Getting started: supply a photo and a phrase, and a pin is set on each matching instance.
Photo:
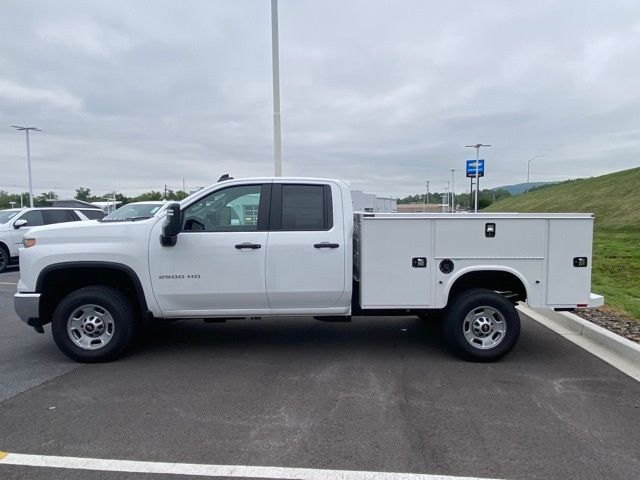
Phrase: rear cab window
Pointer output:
(93, 214)
(300, 207)
(58, 216)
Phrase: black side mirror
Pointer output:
(172, 226)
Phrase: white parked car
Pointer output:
(293, 246)
(16, 222)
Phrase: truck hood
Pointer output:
(90, 231)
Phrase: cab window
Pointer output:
(57, 216)
(33, 218)
(233, 209)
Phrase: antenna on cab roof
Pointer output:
(224, 177)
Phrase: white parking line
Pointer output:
(7, 283)
(129, 466)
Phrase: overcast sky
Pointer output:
(132, 95)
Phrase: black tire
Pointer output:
(123, 322)
(478, 304)
(4, 258)
(431, 316)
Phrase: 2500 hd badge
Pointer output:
(178, 277)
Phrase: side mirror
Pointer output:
(172, 226)
(19, 223)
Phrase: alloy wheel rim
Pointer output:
(484, 327)
(90, 327)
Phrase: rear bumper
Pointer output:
(596, 300)
(27, 306)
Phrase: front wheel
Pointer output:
(482, 325)
(4, 258)
(93, 324)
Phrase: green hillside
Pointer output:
(615, 201)
(614, 198)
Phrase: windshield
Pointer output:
(133, 211)
(6, 215)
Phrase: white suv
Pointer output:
(15, 222)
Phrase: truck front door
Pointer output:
(217, 266)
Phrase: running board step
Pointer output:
(335, 319)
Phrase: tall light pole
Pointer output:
(26, 130)
(477, 146)
(453, 193)
(275, 59)
(446, 196)
(529, 167)
(428, 202)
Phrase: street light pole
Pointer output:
(428, 206)
(529, 167)
(477, 146)
(275, 59)
(453, 193)
(26, 130)
(446, 195)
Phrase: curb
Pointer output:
(614, 349)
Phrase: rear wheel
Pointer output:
(93, 324)
(4, 258)
(431, 315)
(482, 325)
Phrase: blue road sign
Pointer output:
(471, 168)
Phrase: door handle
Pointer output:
(326, 245)
(252, 246)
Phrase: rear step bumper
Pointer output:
(596, 300)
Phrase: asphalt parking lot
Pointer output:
(378, 394)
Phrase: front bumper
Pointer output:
(27, 306)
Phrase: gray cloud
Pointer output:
(133, 95)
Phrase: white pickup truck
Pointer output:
(294, 247)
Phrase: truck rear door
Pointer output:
(306, 248)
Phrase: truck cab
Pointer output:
(256, 247)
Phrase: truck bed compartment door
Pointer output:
(570, 259)
(396, 264)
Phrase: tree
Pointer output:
(147, 196)
(44, 199)
(83, 194)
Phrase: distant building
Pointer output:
(370, 202)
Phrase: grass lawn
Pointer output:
(615, 200)
(616, 269)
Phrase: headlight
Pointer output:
(28, 242)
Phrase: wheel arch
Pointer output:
(494, 277)
(58, 280)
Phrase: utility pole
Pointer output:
(477, 146)
(529, 167)
(26, 130)
(428, 195)
(165, 191)
(184, 188)
(446, 196)
(453, 194)
(275, 59)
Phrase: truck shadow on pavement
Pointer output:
(285, 335)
